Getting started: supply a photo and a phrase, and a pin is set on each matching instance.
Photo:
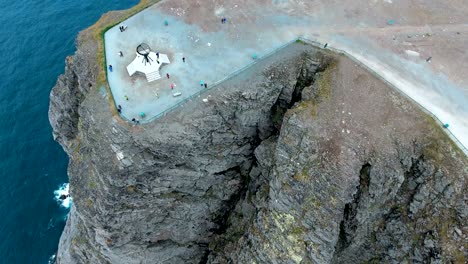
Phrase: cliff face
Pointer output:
(356, 175)
(305, 158)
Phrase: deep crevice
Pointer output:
(225, 231)
(349, 223)
(206, 253)
(221, 219)
(306, 77)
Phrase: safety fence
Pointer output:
(318, 45)
(215, 84)
(425, 110)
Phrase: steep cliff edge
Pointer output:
(356, 175)
(179, 177)
(304, 158)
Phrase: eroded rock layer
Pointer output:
(303, 158)
(356, 175)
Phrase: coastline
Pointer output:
(86, 129)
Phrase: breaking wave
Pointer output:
(62, 196)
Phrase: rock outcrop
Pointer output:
(303, 158)
(356, 175)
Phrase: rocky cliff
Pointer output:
(303, 158)
(356, 175)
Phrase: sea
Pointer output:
(35, 38)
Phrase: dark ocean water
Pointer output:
(35, 38)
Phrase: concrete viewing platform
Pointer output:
(418, 53)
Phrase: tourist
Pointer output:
(119, 109)
(326, 44)
(110, 68)
(120, 54)
(201, 83)
(172, 86)
(126, 97)
(167, 75)
(157, 61)
(206, 85)
(183, 59)
(166, 23)
(121, 28)
(157, 55)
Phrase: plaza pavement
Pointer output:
(213, 50)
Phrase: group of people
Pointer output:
(168, 75)
(202, 83)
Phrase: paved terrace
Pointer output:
(396, 50)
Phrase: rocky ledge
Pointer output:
(303, 158)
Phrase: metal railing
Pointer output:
(318, 45)
(425, 110)
(215, 84)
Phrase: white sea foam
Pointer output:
(63, 190)
(52, 259)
